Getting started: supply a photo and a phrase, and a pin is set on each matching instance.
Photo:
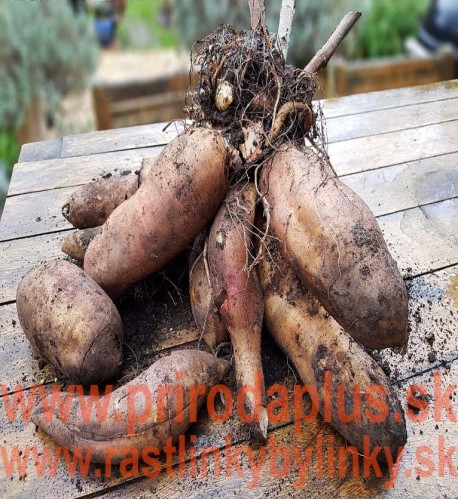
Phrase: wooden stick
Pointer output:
(257, 10)
(284, 26)
(321, 58)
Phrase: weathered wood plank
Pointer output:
(391, 120)
(118, 139)
(423, 239)
(262, 484)
(341, 128)
(387, 99)
(34, 213)
(369, 153)
(53, 174)
(43, 150)
(433, 326)
(385, 190)
(409, 482)
(20, 365)
(399, 187)
(431, 439)
(18, 257)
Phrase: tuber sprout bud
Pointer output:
(224, 96)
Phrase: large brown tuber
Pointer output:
(362, 405)
(333, 242)
(174, 204)
(71, 322)
(142, 414)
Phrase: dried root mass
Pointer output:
(243, 79)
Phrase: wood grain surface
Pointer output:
(398, 150)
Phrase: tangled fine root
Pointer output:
(244, 86)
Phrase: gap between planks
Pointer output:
(112, 138)
(433, 224)
(348, 157)
(386, 191)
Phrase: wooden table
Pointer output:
(399, 150)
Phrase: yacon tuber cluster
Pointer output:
(277, 241)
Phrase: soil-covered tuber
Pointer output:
(238, 296)
(71, 322)
(333, 242)
(165, 215)
(357, 398)
(159, 404)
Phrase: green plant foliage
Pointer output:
(46, 51)
(9, 149)
(314, 21)
(382, 30)
(9, 153)
(141, 28)
(385, 27)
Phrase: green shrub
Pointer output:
(9, 153)
(385, 26)
(9, 150)
(382, 30)
(144, 16)
(46, 51)
(314, 21)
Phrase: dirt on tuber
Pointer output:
(144, 413)
(165, 215)
(71, 322)
(238, 296)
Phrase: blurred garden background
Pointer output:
(72, 66)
